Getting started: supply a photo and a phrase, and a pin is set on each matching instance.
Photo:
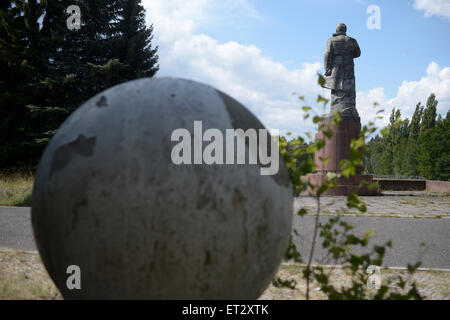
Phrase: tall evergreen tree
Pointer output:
(112, 46)
(82, 61)
(22, 67)
(134, 46)
(47, 72)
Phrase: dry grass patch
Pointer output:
(23, 276)
(15, 189)
(432, 284)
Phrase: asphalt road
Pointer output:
(406, 234)
(15, 228)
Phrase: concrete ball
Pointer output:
(109, 199)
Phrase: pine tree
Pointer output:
(22, 67)
(46, 73)
(134, 46)
(112, 46)
(77, 56)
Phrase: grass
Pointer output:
(23, 276)
(16, 189)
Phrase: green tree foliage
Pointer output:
(48, 70)
(429, 114)
(134, 43)
(410, 159)
(434, 150)
(336, 235)
(21, 68)
(419, 147)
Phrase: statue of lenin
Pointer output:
(340, 74)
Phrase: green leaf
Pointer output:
(321, 81)
(322, 99)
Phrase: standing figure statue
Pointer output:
(340, 78)
(340, 74)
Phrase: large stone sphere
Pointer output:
(109, 199)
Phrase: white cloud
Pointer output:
(433, 7)
(437, 81)
(366, 109)
(263, 85)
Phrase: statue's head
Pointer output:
(341, 28)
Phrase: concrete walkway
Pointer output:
(412, 204)
(405, 233)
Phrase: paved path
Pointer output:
(15, 228)
(414, 204)
(405, 233)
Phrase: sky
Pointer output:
(261, 52)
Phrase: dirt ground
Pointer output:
(23, 276)
(432, 284)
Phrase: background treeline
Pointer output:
(412, 148)
(47, 70)
(416, 147)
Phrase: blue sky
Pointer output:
(295, 31)
(260, 51)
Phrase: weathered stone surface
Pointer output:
(108, 198)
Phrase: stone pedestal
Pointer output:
(336, 149)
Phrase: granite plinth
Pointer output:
(337, 149)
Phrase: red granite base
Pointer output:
(338, 147)
(358, 184)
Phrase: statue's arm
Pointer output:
(327, 58)
(357, 50)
